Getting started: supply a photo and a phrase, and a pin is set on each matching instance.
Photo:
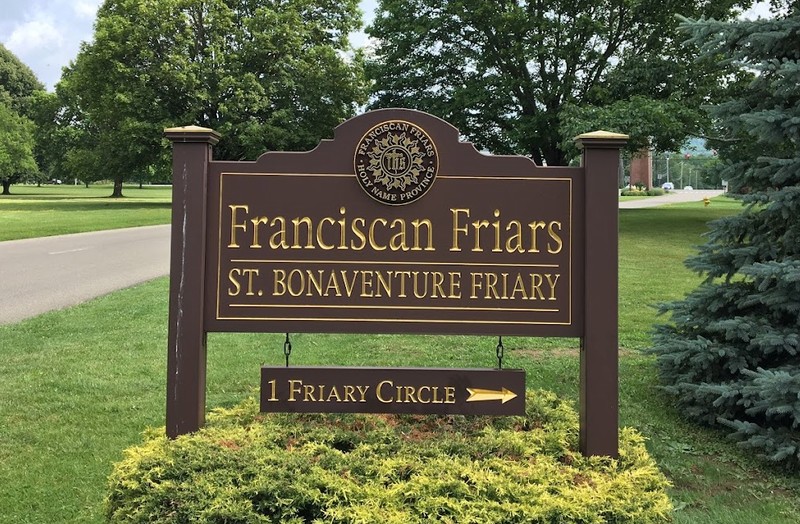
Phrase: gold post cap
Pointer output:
(602, 135)
(189, 129)
(194, 134)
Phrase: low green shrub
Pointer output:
(656, 191)
(247, 467)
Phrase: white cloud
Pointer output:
(86, 8)
(757, 10)
(34, 35)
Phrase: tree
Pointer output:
(731, 356)
(525, 76)
(264, 73)
(16, 147)
(18, 86)
(17, 81)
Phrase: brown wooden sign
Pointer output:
(394, 226)
(392, 390)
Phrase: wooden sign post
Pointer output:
(394, 226)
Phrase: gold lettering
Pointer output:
(333, 284)
(536, 286)
(348, 286)
(294, 387)
(496, 226)
(386, 283)
(321, 242)
(438, 280)
(398, 240)
(417, 293)
(379, 391)
(403, 276)
(420, 392)
(535, 226)
(409, 395)
(232, 278)
(519, 287)
(555, 237)
(358, 233)
(372, 242)
(279, 279)
(477, 226)
(366, 284)
(417, 225)
(457, 228)
(278, 239)
(308, 393)
(234, 225)
(250, 274)
(552, 283)
(491, 286)
(362, 390)
(314, 282)
(256, 222)
(514, 242)
(455, 284)
(477, 284)
(294, 290)
(306, 221)
(349, 394)
(342, 222)
(333, 393)
(449, 395)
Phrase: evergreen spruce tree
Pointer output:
(731, 355)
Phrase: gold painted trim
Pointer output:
(569, 298)
(378, 263)
(398, 320)
(406, 308)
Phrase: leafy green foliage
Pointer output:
(732, 355)
(264, 74)
(293, 468)
(18, 86)
(16, 147)
(17, 82)
(525, 77)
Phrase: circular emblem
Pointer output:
(396, 162)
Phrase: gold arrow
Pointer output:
(479, 395)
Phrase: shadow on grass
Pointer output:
(94, 205)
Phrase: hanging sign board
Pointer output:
(392, 390)
(415, 232)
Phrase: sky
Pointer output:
(46, 34)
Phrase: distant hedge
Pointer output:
(641, 192)
(246, 467)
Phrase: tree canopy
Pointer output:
(266, 74)
(16, 147)
(17, 82)
(730, 357)
(525, 76)
(18, 87)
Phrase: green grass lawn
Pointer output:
(79, 385)
(32, 211)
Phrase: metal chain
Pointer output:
(500, 352)
(287, 349)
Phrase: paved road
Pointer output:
(673, 197)
(48, 273)
(41, 274)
